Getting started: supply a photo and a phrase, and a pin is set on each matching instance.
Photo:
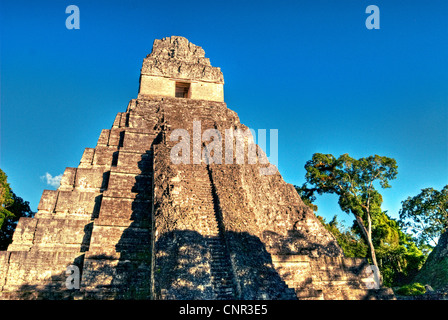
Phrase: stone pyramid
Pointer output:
(144, 216)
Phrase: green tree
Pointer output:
(12, 208)
(426, 214)
(307, 197)
(350, 242)
(6, 199)
(353, 181)
(398, 254)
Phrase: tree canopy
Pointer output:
(353, 180)
(6, 199)
(398, 254)
(426, 214)
(399, 257)
(12, 208)
(348, 239)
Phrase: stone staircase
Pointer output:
(222, 276)
(223, 280)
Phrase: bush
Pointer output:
(411, 289)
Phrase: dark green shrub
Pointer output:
(411, 289)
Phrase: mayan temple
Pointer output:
(144, 216)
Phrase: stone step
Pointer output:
(221, 269)
(220, 273)
(219, 283)
(360, 294)
(216, 248)
(219, 257)
(309, 294)
(222, 266)
(224, 290)
(210, 232)
(227, 289)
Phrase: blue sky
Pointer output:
(310, 69)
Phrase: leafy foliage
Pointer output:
(399, 257)
(398, 254)
(373, 231)
(350, 242)
(353, 181)
(307, 197)
(411, 289)
(426, 214)
(12, 208)
(6, 199)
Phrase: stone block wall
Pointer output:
(175, 59)
(329, 278)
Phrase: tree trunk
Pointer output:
(369, 240)
(368, 237)
(372, 251)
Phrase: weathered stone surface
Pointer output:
(176, 64)
(140, 225)
(48, 201)
(37, 274)
(176, 57)
(87, 158)
(50, 235)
